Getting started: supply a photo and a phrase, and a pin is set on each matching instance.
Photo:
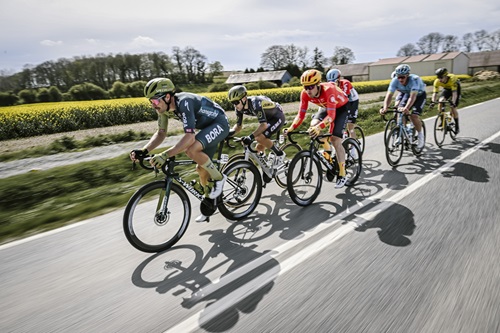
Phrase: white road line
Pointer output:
(236, 296)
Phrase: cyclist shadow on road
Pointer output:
(493, 147)
(469, 172)
(277, 214)
(395, 224)
(188, 269)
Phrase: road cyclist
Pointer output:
(335, 75)
(451, 91)
(205, 126)
(412, 101)
(332, 114)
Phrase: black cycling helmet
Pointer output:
(236, 93)
(440, 72)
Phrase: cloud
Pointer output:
(142, 41)
(48, 42)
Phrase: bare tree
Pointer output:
(274, 57)
(450, 43)
(468, 42)
(407, 50)
(493, 40)
(430, 43)
(480, 39)
(342, 56)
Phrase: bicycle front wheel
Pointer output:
(290, 150)
(392, 123)
(394, 146)
(360, 137)
(353, 161)
(155, 220)
(242, 190)
(304, 178)
(440, 129)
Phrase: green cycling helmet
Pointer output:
(236, 93)
(158, 87)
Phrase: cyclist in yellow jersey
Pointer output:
(451, 91)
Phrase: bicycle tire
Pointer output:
(440, 128)
(145, 227)
(353, 162)
(451, 129)
(394, 149)
(414, 148)
(308, 170)
(388, 128)
(290, 149)
(242, 190)
(360, 137)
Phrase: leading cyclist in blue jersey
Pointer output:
(413, 97)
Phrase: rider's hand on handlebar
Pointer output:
(432, 105)
(247, 140)
(231, 134)
(314, 131)
(159, 159)
(382, 110)
(138, 154)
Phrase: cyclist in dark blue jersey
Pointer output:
(205, 126)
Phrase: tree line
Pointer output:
(436, 42)
(120, 75)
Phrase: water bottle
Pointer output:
(224, 158)
(281, 139)
(409, 127)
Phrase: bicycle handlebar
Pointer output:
(291, 134)
(240, 139)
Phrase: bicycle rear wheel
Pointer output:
(151, 227)
(394, 146)
(353, 161)
(290, 149)
(304, 178)
(242, 190)
(418, 151)
(440, 129)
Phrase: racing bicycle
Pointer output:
(158, 214)
(269, 166)
(305, 174)
(444, 124)
(402, 137)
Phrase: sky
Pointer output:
(233, 32)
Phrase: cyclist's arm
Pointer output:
(299, 118)
(184, 143)
(387, 100)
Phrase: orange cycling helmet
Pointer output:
(310, 77)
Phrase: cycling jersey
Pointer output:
(348, 89)
(413, 84)
(199, 112)
(452, 83)
(330, 97)
(261, 107)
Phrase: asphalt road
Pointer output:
(409, 249)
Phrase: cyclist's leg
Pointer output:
(336, 128)
(316, 119)
(205, 146)
(352, 118)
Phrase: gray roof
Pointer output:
(255, 77)
(483, 59)
(353, 69)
